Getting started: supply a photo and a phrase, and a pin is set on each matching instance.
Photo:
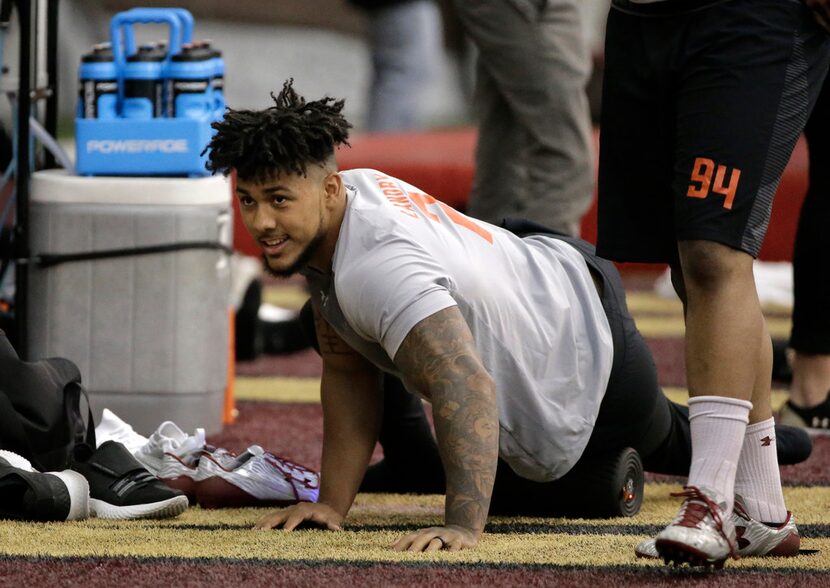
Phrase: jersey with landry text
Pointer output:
(530, 304)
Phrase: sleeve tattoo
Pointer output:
(438, 358)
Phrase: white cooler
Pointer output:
(146, 319)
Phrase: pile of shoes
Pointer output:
(214, 477)
(107, 482)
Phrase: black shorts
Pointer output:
(702, 105)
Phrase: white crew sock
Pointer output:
(718, 425)
(758, 479)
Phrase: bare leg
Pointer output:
(728, 350)
(811, 379)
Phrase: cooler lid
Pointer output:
(56, 185)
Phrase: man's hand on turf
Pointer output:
(290, 518)
(821, 10)
(451, 538)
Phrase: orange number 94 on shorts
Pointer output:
(701, 181)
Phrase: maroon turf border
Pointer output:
(95, 571)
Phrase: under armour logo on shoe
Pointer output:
(739, 537)
(766, 441)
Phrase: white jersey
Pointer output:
(530, 303)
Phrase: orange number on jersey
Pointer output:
(727, 191)
(701, 173)
(422, 200)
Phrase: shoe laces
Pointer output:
(192, 446)
(293, 471)
(739, 511)
(171, 440)
(694, 511)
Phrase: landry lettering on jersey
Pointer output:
(405, 202)
(395, 195)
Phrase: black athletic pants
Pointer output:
(811, 259)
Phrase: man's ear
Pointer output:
(333, 186)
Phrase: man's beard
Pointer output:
(301, 261)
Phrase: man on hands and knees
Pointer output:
(702, 104)
(519, 338)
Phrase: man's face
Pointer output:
(287, 215)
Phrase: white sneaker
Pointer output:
(173, 456)
(755, 539)
(700, 534)
(254, 478)
(112, 428)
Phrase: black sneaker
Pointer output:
(28, 495)
(793, 444)
(815, 420)
(121, 488)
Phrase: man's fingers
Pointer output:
(432, 539)
(421, 542)
(270, 521)
(426, 542)
(326, 521)
(435, 544)
(413, 542)
(295, 519)
(288, 519)
(403, 543)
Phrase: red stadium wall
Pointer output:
(441, 164)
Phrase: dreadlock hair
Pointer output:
(283, 138)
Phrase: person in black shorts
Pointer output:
(703, 101)
(809, 402)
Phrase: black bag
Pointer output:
(40, 409)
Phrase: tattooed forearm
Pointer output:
(438, 358)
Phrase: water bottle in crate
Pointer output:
(97, 84)
(162, 121)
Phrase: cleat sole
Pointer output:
(675, 553)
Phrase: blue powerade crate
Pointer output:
(152, 147)
(164, 105)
